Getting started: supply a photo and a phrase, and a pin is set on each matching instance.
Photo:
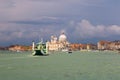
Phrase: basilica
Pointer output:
(58, 44)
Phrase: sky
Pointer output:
(83, 21)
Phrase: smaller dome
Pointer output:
(53, 39)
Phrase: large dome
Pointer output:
(62, 37)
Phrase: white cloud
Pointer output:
(114, 29)
(13, 31)
(85, 29)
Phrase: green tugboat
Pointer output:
(39, 49)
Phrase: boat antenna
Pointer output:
(41, 40)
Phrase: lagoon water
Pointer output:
(92, 65)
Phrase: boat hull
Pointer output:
(39, 53)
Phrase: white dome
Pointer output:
(62, 38)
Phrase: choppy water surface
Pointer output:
(93, 65)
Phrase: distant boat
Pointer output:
(67, 50)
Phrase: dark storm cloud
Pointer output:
(25, 20)
(42, 22)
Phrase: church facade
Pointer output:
(56, 44)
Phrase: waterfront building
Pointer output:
(56, 44)
(109, 45)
